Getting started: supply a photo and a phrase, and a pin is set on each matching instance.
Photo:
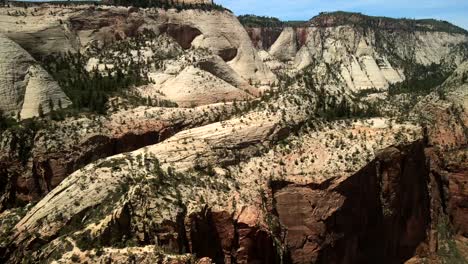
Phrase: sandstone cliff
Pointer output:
(25, 87)
(366, 53)
(218, 31)
(303, 166)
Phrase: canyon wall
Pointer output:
(365, 53)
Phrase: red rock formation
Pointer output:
(263, 38)
(222, 238)
(301, 36)
(458, 201)
(378, 215)
(45, 170)
(451, 174)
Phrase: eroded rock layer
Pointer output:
(26, 89)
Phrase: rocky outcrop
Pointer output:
(263, 38)
(378, 214)
(215, 66)
(184, 35)
(299, 175)
(239, 233)
(225, 239)
(456, 167)
(218, 31)
(25, 88)
(285, 47)
(364, 53)
(51, 161)
(193, 86)
(444, 112)
(103, 205)
(41, 36)
(444, 115)
(370, 59)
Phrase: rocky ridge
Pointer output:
(366, 53)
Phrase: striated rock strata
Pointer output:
(25, 87)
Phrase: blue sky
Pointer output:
(454, 11)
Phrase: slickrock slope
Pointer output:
(285, 47)
(24, 86)
(58, 149)
(128, 178)
(197, 78)
(195, 86)
(215, 30)
(38, 30)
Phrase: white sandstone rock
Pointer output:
(285, 47)
(24, 85)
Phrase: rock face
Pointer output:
(25, 87)
(53, 161)
(366, 53)
(218, 31)
(41, 32)
(184, 35)
(285, 47)
(240, 236)
(457, 174)
(382, 210)
(263, 38)
(363, 59)
(193, 86)
(445, 112)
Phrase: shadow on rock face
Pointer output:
(380, 214)
(228, 54)
(183, 34)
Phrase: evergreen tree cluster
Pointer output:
(164, 4)
(6, 121)
(420, 79)
(21, 136)
(330, 108)
(167, 4)
(264, 21)
(158, 102)
(259, 21)
(340, 18)
(89, 91)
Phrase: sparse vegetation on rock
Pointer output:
(338, 141)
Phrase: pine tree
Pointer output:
(2, 120)
(51, 104)
(40, 111)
